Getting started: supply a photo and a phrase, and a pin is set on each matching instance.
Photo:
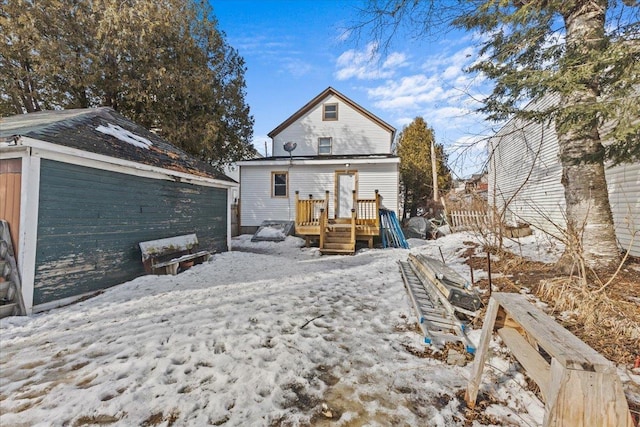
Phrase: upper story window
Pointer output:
(279, 184)
(324, 145)
(330, 112)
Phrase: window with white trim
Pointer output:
(279, 184)
(324, 145)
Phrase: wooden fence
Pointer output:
(468, 220)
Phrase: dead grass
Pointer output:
(599, 319)
(609, 321)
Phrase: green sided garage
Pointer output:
(88, 186)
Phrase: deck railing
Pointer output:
(323, 225)
(368, 211)
(308, 212)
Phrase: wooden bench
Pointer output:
(167, 256)
(580, 387)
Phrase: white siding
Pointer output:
(525, 174)
(624, 195)
(257, 205)
(352, 133)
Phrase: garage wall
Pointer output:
(90, 222)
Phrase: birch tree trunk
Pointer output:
(589, 219)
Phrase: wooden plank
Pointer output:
(168, 245)
(187, 257)
(10, 192)
(584, 399)
(534, 364)
(570, 351)
(481, 353)
(583, 395)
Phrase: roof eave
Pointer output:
(315, 101)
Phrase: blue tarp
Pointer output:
(390, 231)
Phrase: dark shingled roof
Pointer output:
(78, 129)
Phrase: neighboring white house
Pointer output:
(525, 176)
(339, 147)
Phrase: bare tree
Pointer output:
(587, 52)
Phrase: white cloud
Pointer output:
(262, 143)
(366, 64)
(296, 67)
(395, 59)
(343, 35)
(467, 154)
(437, 88)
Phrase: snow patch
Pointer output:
(271, 233)
(267, 334)
(125, 135)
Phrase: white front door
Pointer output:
(346, 185)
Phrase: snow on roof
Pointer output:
(125, 135)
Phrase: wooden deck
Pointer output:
(337, 235)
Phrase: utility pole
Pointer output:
(434, 171)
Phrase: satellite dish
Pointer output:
(290, 146)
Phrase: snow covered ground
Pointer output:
(269, 334)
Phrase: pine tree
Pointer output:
(414, 150)
(164, 65)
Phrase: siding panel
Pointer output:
(352, 133)
(90, 223)
(525, 176)
(257, 205)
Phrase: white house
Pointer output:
(525, 174)
(338, 152)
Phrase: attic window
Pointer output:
(330, 112)
(125, 136)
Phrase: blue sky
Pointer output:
(294, 49)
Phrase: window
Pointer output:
(330, 112)
(279, 184)
(324, 145)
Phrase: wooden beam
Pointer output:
(553, 338)
(481, 353)
(323, 226)
(353, 227)
(584, 399)
(580, 387)
(537, 368)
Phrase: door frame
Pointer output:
(336, 191)
(11, 190)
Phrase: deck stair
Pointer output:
(436, 315)
(338, 240)
(11, 303)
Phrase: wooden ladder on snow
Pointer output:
(11, 303)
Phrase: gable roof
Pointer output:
(104, 131)
(315, 101)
